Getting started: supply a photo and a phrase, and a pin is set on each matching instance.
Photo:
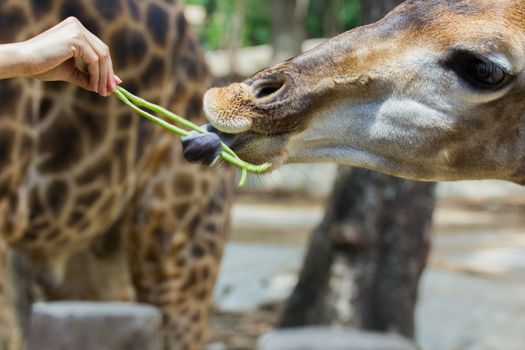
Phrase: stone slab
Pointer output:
(322, 338)
(88, 326)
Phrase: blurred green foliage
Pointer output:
(319, 13)
(257, 20)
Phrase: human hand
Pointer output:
(52, 55)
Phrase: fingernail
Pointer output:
(113, 85)
(118, 80)
(104, 91)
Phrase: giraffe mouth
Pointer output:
(251, 147)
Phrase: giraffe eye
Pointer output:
(480, 73)
(484, 74)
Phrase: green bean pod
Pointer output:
(227, 153)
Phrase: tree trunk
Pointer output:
(365, 259)
(287, 27)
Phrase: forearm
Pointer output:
(12, 61)
(49, 57)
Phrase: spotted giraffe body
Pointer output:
(100, 200)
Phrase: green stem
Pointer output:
(164, 124)
(160, 110)
(244, 177)
(252, 168)
(227, 153)
(168, 114)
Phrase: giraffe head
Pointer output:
(433, 91)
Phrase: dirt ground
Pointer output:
(471, 297)
(239, 331)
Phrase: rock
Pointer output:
(323, 338)
(88, 326)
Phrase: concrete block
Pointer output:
(323, 338)
(89, 326)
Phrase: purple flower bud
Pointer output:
(201, 148)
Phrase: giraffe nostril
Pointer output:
(267, 88)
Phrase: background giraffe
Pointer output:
(82, 177)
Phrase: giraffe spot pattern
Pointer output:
(120, 148)
(45, 107)
(94, 127)
(201, 295)
(181, 210)
(154, 73)
(76, 9)
(210, 228)
(197, 251)
(183, 185)
(125, 120)
(10, 92)
(128, 48)
(189, 66)
(75, 218)
(99, 171)
(193, 225)
(108, 9)
(194, 107)
(86, 124)
(28, 111)
(36, 207)
(181, 262)
(88, 199)
(52, 235)
(212, 248)
(108, 243)
(41, 7)
(134, 9)
(57, 193)
(189, 283)
(196, 317)
(59, 143)
(157, 21)
(13, 20)
(6, 145)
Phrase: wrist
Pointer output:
(13, 61)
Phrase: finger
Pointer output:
(97, 66)
(103, 79)
(117, 79)
(91, 58)
(102, 51)
(112, 85)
